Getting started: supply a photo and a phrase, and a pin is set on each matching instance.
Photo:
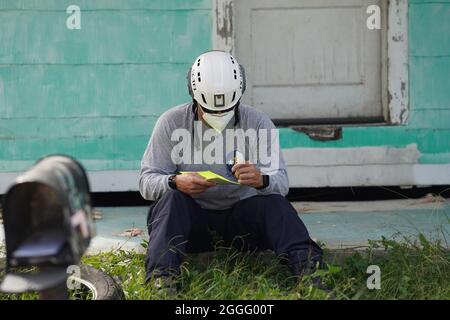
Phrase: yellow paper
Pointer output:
(212, 176)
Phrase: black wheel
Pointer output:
(96, 285)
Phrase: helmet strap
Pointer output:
(237, 117)
(195, 109)
(236, 114)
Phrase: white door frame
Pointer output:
(396, 96)
(395, 84)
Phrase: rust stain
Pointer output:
(321, 133)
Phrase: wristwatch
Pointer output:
(172, 183)
(266, 181)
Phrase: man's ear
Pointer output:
(200, 113)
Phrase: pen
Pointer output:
(233, 162)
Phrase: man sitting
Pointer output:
(250, 214)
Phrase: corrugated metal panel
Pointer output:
(429, 70)
(94, 93)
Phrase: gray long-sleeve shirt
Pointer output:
(179, 143)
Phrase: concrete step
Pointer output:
(336, 224)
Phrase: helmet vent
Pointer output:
(204, 100)
(235, 74)
(232, 60)
(199, 79)
(198, 63)
(234, 96)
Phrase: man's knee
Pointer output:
(173, 203)
(175, 195)
(280, 205)
(276, 198)
(275, 204)
(265, 199)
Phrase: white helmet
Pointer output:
(216, 80)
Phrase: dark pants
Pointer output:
(178, 225)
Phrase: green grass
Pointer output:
(418, 269)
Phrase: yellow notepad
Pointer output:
(212, 176)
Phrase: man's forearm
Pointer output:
(278, 183)
(152, 186)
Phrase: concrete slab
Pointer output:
(426, 203)
(337, 224)
(348, 229)
(114, 222)
(352, 224)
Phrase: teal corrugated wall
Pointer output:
(429, 79)
(94, 93)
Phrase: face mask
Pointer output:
(218, 122)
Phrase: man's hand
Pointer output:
(248, 174)
(192, 183)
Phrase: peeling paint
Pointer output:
(398, 38)
(223, 16)
(420, 148)
(398, 93)
(403, 89)
(352, 156)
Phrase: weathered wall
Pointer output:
(94, 93)
(429, 76)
